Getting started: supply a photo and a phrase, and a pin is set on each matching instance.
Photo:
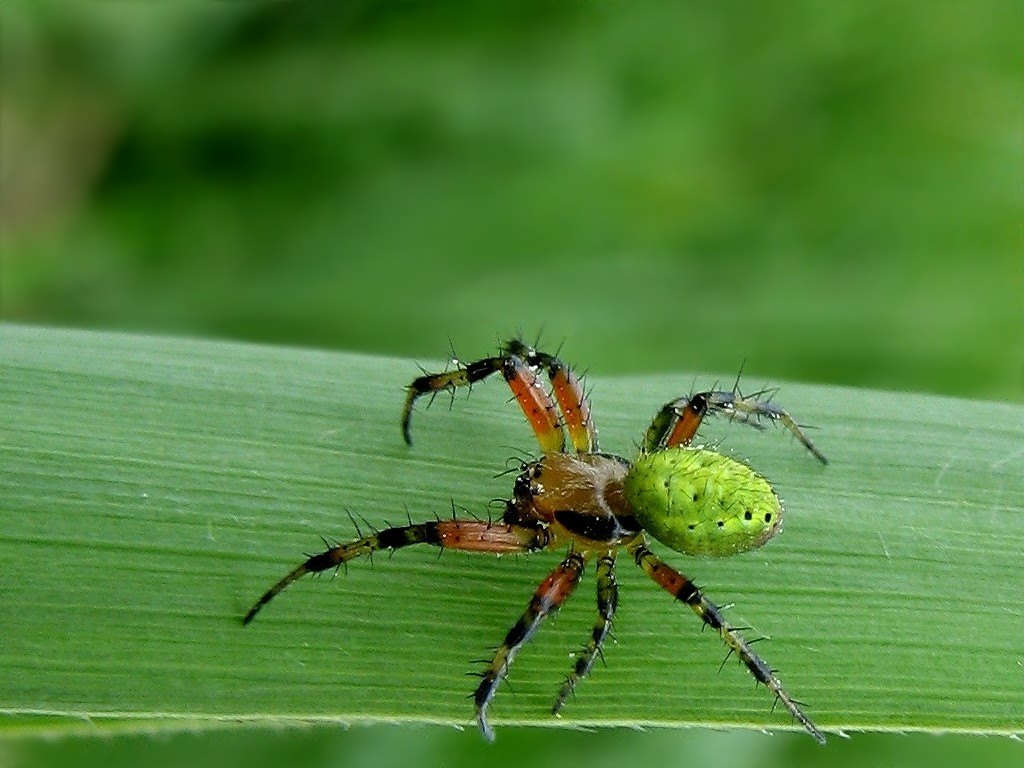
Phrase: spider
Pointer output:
(693, 499)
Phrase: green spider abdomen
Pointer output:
(702, 503)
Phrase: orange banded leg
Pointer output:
(684, 590)
(678, 420)
(568, 391)
(607, 602)
(467, 535)
(539, 409)
(550, 595)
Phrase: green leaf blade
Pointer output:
(151, 489)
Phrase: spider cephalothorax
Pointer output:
(692, 499)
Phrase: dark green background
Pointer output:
(829, 191)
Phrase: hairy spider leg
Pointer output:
(678, 420)
(568, 391)
(684, 590)
(549, 597)
(751, 409)
(539, 409)
(607, 602)
(467, 535)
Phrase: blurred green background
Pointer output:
(829, 191)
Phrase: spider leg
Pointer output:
(467, 535)
(539, 409)
(684, 590)
(607, 602)
(550, 595)
(678, 420)
(568, 391)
